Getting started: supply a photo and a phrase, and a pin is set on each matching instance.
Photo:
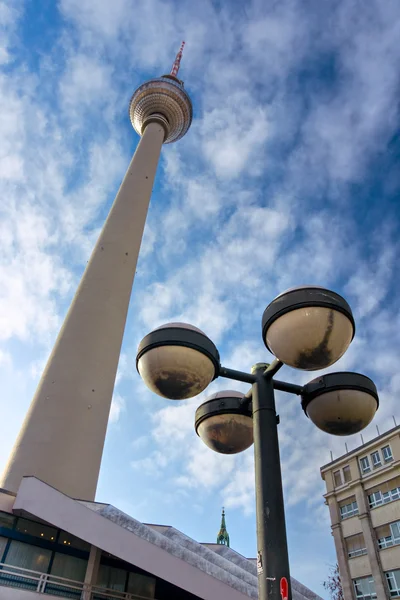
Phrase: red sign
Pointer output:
(284, 589)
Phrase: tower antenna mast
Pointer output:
(177, 62)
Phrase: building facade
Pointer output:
(54, 546)
(363, 496)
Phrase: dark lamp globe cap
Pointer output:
(177, 361)
(340, 403)
(222, 403)
(303, 297)
(224, 422)
(179, 334)
(341, 380)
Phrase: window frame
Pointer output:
(359, 581)
(349, 472)
(337, 473)
(395, 536)
(347, 513)
(357, 552)
(377, 464)
(367, 469)
(390, 540)
(390, 577)
(389, 458)
(383, 497)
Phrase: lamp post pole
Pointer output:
(272, 554)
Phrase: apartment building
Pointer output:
(363, 496)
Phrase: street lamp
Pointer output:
(307, 328)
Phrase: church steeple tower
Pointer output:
(223, 536)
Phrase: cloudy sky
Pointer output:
(288, 175)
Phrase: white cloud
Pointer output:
(118, 406)
(102, 18)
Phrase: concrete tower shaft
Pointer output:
(62, 438)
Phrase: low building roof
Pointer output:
(205, 570)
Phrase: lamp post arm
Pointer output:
(290, 388)
(236, 375)
(273, 368)
(282, 386)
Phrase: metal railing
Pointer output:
(45, 583)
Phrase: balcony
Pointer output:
(43, 583)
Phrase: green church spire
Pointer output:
(223, 536)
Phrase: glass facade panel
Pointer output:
(69, 567)
(141, 585)
(7, 520)
(38, 530)
(28, 557)
(3, 544)
(112, 578)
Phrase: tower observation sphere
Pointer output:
(163, 100)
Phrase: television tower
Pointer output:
(62, 437)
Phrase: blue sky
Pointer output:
(289, 175)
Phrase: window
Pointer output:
(379, 498)
(364, 588)
(395, 530)
(387, 453)
(355, 546)
(390, 540)
(376, 459)
(393, 579)
(347, 473)
(338, 478)
(36, 529)
(385, 542)
(365, 466)
(357, 552)
(349, 510)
